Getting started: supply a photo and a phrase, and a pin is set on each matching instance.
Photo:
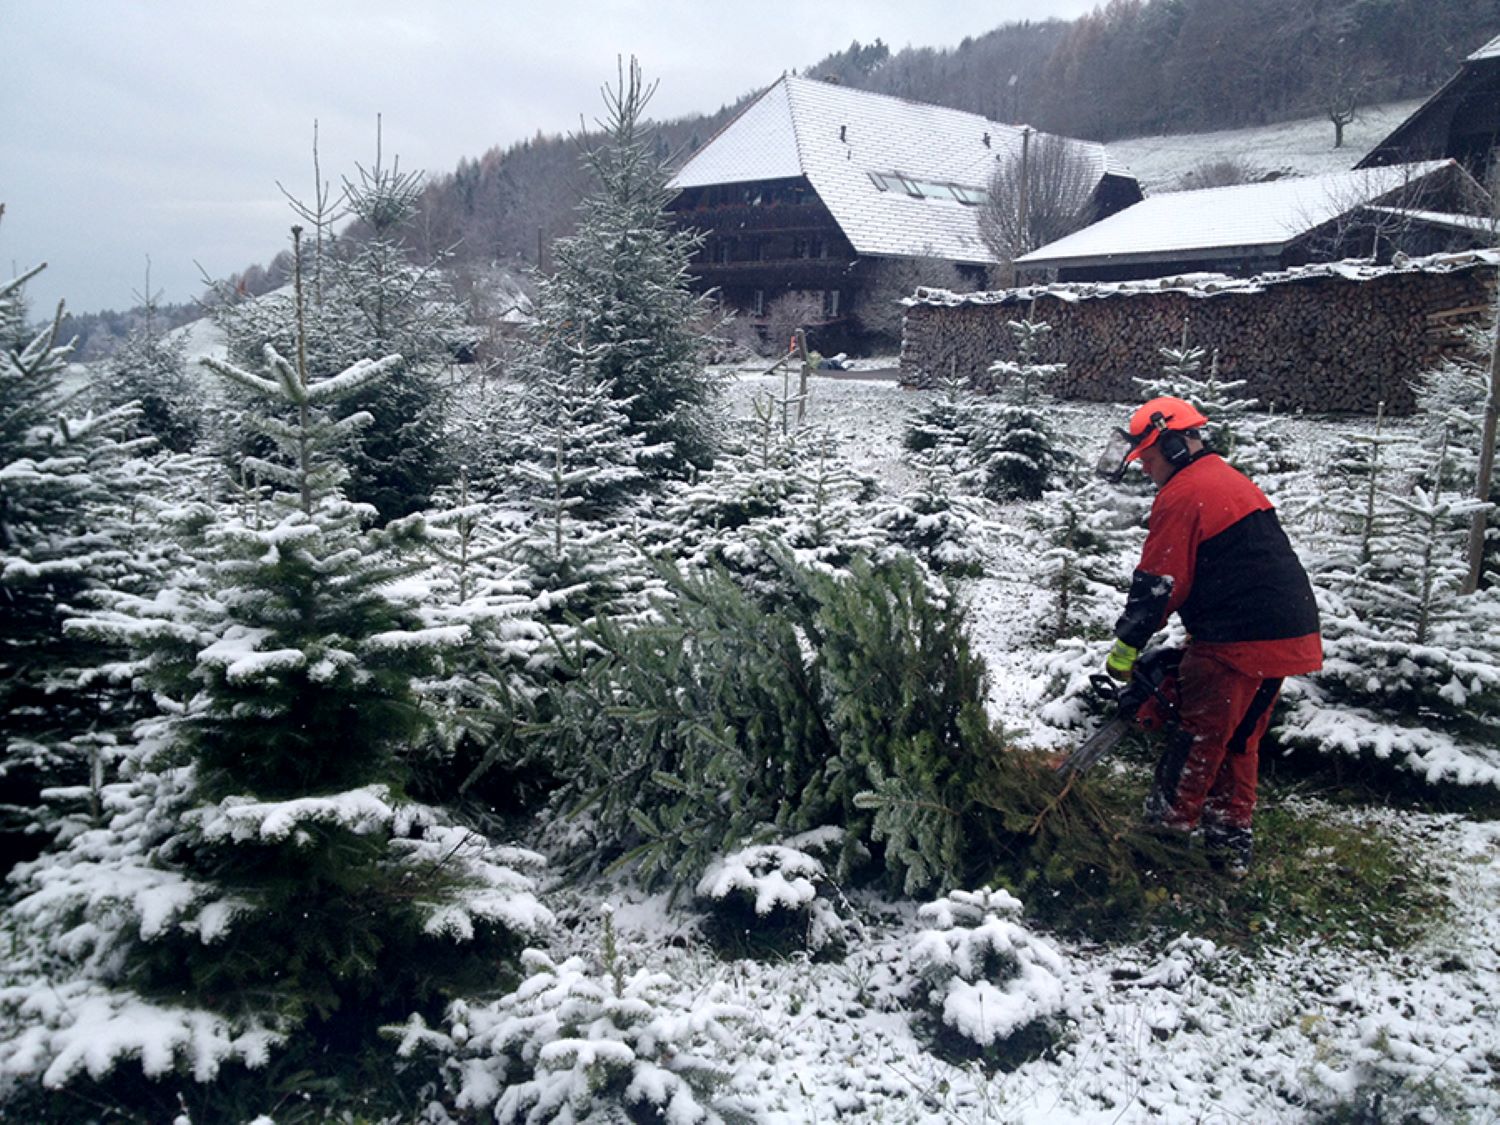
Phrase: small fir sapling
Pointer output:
(773, 899)
(261, 857)
(934, 520)
(1410, 669)
(1025, 379)
(989, 987)
(590, 1042)
(1248, 440)
(1019, 454)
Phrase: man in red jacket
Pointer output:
(1216, 555)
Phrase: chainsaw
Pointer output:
(1148, 701)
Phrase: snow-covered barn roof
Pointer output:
(1212, 221)
(1490, 50)
(856, 149)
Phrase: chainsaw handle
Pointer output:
(1105, 687)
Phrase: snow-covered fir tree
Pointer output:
(1023, 454)
(261, 895)
(60, 544)
(1456, 392)
(622, 280)
(1237, 429)
(772, 492)
(1078, 553)
(371, 300)
(590, 1039)
(950, 419)
(1410, 666)
(935, 520)
(150, 369)
(485, 685)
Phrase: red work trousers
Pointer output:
(1209, 770)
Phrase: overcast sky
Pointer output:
(136, 128)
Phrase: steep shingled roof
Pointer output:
(837, 137)
(1265, 216)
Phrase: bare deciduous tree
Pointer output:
(880, 312)
(1038, 195)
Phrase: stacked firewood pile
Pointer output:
(1335, 338)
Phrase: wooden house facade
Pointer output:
(848, 201)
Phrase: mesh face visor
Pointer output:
(1113, 458)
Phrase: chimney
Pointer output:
(986, 140)
(844, 133)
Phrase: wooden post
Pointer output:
(806, 368)
(1480, 520)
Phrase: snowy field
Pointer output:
(1302, 148)
(1172, 1029)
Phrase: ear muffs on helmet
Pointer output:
(1174, 447)
(1165, 422)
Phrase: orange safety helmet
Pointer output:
(1149, 422)
(1158, 416)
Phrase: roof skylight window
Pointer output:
(928, 189)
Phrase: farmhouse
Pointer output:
(1461, 120)
(820, 193)
(1248, 229)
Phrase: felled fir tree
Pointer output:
(263, 889)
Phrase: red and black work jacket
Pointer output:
(1216, 555)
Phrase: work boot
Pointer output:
(1229, 849)
(1158, 805)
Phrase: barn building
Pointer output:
(1249, 229)
(1460, 121)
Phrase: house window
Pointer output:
(799, 247)
(758, 303)
(721, 250)
(830, 303)
(817, 248)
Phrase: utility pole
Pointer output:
(1023, 205)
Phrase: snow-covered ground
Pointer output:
(1303, 147)
(1173, 1029)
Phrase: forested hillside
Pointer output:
(1130, 68)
